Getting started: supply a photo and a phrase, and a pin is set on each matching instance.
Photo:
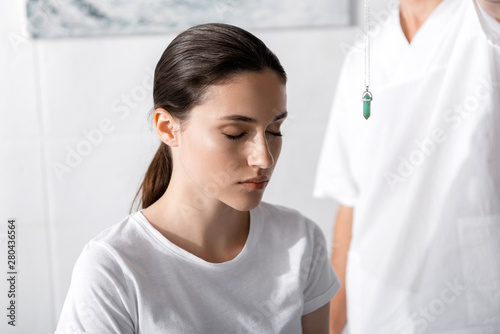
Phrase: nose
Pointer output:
(260, 155)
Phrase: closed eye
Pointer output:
(235, 137)
(276, 134)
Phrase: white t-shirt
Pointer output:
(131, 279)
(423, 175)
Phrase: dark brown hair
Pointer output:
(199, 57)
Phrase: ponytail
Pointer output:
(156, 180)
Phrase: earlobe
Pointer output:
(167, 127)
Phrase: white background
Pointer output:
(54, 90)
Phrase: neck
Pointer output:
(199, 223)
(413, 13)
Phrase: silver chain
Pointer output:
(367, 43)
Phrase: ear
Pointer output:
(167, 127)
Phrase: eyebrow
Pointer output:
(240, 118)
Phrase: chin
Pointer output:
(245, 203)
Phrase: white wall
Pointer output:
(52, 92)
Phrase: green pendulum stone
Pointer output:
(367, 99)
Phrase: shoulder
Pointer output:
(108, 261)
(110, 249)
(127, 233)
(101, 294)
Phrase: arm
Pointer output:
(492, 7)
(316, 322)
(341, 243)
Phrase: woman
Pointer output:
(204, 255)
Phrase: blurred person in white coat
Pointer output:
(417, 232)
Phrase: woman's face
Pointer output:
(230, 144)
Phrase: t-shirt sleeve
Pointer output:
(334, 174)
(491, 27)
(322, 283)
(98, 300)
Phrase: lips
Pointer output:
(256, 183)
(258, 179)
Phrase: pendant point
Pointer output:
(367, 98)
